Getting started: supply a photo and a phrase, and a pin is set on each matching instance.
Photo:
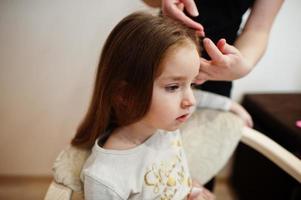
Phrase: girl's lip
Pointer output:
(183, 118)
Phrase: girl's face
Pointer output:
(173, 98)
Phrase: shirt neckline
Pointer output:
(127, 151)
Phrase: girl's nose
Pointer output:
(188, 100)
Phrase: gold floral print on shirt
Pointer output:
(177, 143)
(166, 177)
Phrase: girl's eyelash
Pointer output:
(174, 87)
(171, 88)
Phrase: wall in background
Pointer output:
(48, 56)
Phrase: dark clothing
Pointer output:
(217, 87)
(221, 19)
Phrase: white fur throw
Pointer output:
(209, 139)
(67, 167)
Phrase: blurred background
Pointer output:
(49, 52)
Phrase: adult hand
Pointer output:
(200, 193)
(175, 10)
(227, 63)
(242, 113)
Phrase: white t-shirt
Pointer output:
(156, 169)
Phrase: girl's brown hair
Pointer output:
(127, 68)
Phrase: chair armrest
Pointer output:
(273, 151)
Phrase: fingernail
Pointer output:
(206, 40)
(203, 33)
(195, 192)
(200, 33)
(195, 12)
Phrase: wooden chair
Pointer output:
(209, 139)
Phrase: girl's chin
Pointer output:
(172, 128)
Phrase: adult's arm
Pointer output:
(233, 62)
(253, 40)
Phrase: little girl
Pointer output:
(143, 94)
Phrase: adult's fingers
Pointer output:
(179, 15)
(206, 68)
(199, 82)
(195, 192)
(174, 10)
(208, 195)
(201, 78)
(180, 6)
(221, 43)
(225, 48)
(209, 71)
(250, 123)
(212, 50)
(191, 7)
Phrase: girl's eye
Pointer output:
(171, 88)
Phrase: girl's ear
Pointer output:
(119, 98)
(120, 104)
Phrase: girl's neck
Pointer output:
(136, 133)
(128, 137)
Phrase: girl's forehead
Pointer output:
(180, 62)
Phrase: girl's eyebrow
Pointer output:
(174, 78)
